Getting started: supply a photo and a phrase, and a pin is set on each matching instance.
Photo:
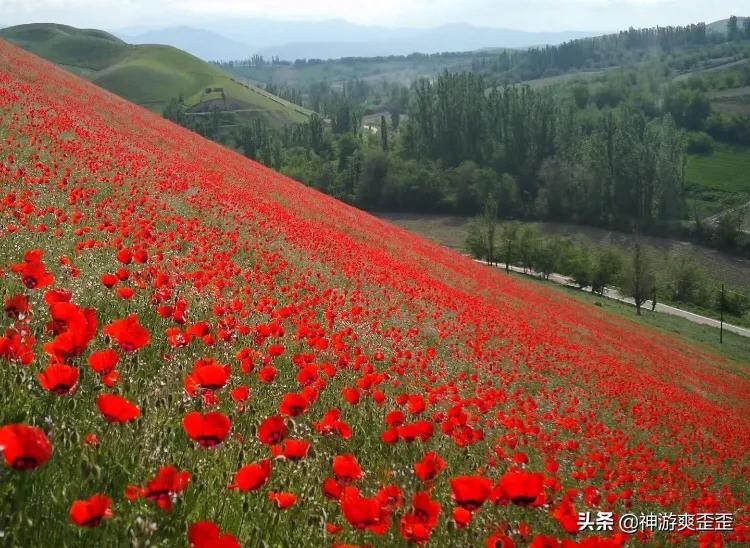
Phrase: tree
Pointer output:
(686, 280)
(508, 237)
(746, 28)
(315, 127)
(729, 229)
(733, 29)
(475, 242)
(639, 280)
(549, 255)
(528, 243)
(395, 118)
(489, 218)
(175, 111)
(372, 180)
(581, 266)
(383, 134)
(608, 265)
(581, 95)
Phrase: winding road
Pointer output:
(617, 296)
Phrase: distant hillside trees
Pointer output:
(622, 166)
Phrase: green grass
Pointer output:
(148, 75)
(727, 170)
(719, 180)
(734, 347)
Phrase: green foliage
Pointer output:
(686, 281)
(700, 143)
(638, 279)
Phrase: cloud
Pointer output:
(526, 14)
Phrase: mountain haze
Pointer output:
(335, 38)
(204, 44)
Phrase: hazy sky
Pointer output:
(520, 14)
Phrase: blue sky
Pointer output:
(547, 15)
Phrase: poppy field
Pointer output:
(198, 351)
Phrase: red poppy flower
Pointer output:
(75, 327)
(565, 513)
(461, 517)
(331, 424)
(351, 395)
(333, 529)
(110, 379)
(34, 273)
(128, 333)
(210, 375)
(208, 430)
(429, 467)
(291, 449)
(346, 469)
(267, 374)
(422, 430)
(126, 293)
(416, 404)
(206, 534)
(59, 379)
(125, 256)
(116, 408)
(519, 487)
(109, 280)
(252, 476)
(240, 394)
(293, 405)
(364, 513)
(17, 307)
(58, 295)
(273, 430)
(395, 418)
(24, 447)
(275, 350)
(104, 361)
(17, 348)
(470, 492)
(91, 440)
(283, 500)
(167, 483)
(417, 525)
(390, 497)
(90, 513)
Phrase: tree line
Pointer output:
(642, 272)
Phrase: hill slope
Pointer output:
(211, 315)
(148, 75)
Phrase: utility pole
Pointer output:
(721, 321)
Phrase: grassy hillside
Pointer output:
(149, 75)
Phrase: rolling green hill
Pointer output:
(150, 75)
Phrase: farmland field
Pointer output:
(725, 172)
(198, 350)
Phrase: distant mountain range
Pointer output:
(204, 44)
(333, 39)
